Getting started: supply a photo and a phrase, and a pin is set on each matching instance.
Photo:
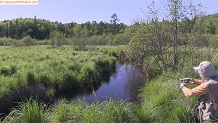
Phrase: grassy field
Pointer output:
(43, 70)
(162, 99)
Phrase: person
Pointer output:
(207, 89)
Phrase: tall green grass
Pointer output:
(162, 100)
(30, 112)
(39, 63)
(79, 112)
(56, 68)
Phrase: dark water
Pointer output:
(122, 85)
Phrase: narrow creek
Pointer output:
(124, 84)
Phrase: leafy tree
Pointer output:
(56, 38)
(28, 41)
(114, 19)
(85, 33)
(155, 44)
(77, 30)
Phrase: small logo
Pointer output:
(18, 2)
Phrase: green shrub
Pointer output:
(56, 38)
(18, 43)
(28, 41)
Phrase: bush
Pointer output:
(56, 38)
(28, 41)
(18, 43)
(7, 41)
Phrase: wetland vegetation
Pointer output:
(39, 59)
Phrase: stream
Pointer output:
(124, 84)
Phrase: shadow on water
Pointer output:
(124, 84)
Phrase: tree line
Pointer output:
(32, 30)
(40, 28)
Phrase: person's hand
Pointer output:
(182, 84)
(186, 80)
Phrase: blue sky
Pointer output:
(81, 11)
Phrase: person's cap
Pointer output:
(206, 69)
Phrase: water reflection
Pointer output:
(122, 85)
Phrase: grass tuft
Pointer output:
(30, 112)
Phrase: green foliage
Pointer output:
(18, 44)
(120, 39)
(6, 71)
(77, 30)
(152, 45)
(50, 92)
(30, 112)
(56, 69)
(64, 113)
(213, 40)
(40, 29)
(90, 74)
(56, 38)
(210, 28)
(212, 22)
(28, 41)
(107, 112)
(161, 98)
(163, 102)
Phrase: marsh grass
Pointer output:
(162, 100)
(29, 112)
(56, 68)
(78, 112)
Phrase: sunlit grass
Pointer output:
(162, 99)
(79, 112)
(56, 68)
(30, 112)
